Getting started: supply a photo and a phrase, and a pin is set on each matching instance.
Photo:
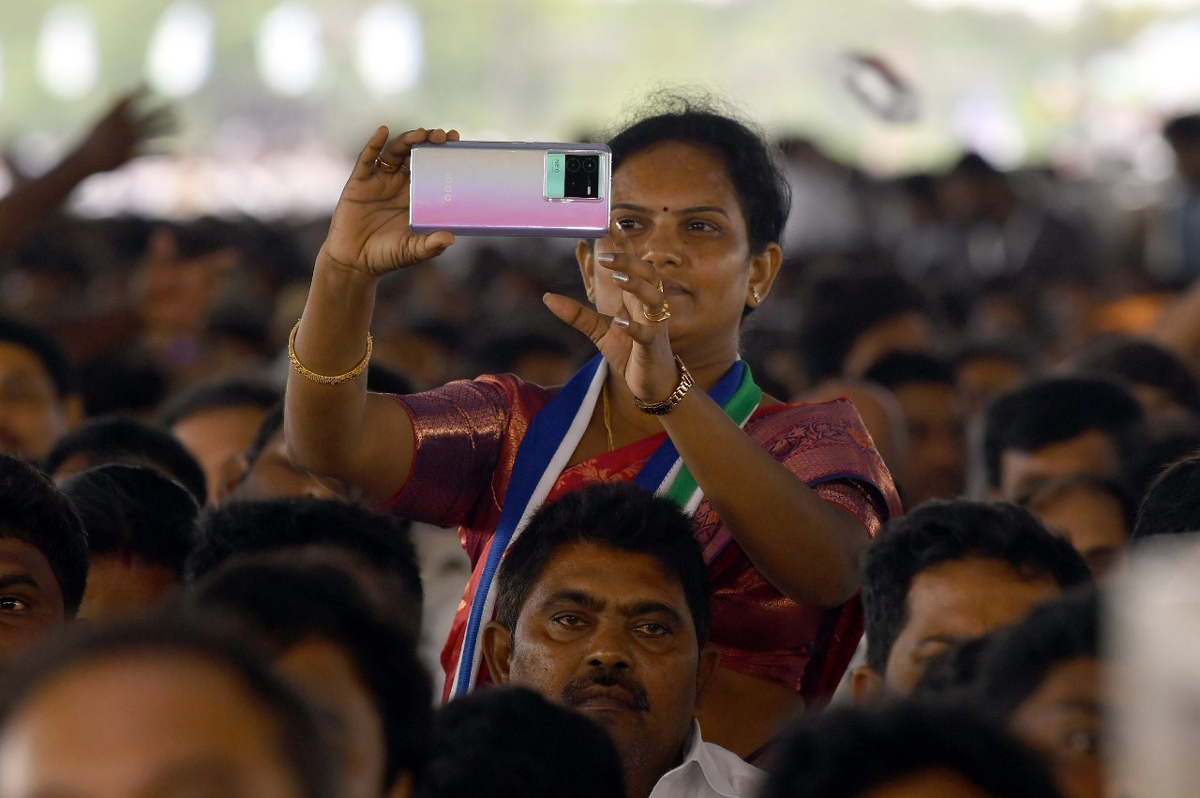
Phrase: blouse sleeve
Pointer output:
(459, 430)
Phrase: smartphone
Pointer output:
(510, 188)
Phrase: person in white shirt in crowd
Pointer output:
(603, 605)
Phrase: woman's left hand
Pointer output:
(636, 347)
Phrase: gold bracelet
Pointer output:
(665, 406)
(303, 371)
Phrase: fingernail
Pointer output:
(605, 258)
(620, 277)
(621, 322)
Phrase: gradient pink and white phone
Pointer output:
(510, 188)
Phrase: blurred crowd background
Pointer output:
(984, 192)
(1005, 159)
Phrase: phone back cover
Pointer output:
(498, 188)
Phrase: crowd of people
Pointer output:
(746, 502)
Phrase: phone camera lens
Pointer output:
(582, 180)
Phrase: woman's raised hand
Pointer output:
(631, 332)
(370, 232)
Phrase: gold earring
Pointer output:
(591, 297)
(757, 297)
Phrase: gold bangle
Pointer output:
(303, 371)
(665, 406)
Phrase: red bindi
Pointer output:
(665, 209)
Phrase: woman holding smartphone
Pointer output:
(783, 498)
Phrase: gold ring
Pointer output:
(662, 314)
(390, 168)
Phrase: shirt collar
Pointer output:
(718, 777)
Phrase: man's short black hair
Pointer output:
(287, 599)
(379, 541)
(840, 306)
(1171, 505)
(1017, 660)
(901, 368)
(34, 511)
(54, 359)
(617, 516)
(236, 392)
(135, 510)
(939, 531)
(301, 741)
(1056, 409)
(124, 439)
(510, 742)
(1137, 361)
(850, 751)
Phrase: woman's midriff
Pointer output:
(742, 713)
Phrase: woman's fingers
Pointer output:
(630, 264)
(366, 158)
(647, 294)
(592, 324)
(597, 326)
(433, 244)
(395, 153)
(397, 150)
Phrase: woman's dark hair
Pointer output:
(749, 159)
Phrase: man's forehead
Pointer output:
(1091, 452)
(970, 596)
(607, 573)
(17, 556)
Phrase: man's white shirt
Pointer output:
(708, 771)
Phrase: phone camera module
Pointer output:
(583, 176)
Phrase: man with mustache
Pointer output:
(603, 604)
